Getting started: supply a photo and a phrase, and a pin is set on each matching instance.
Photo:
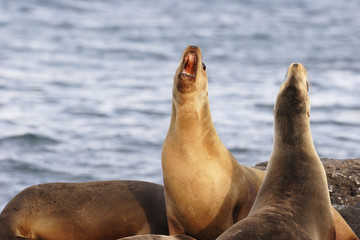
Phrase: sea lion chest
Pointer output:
(198, 186)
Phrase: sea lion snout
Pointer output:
(296, 68)
(187, 75)
(190, 61)
(188, 70)
(297, 73)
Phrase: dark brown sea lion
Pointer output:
(293, 201)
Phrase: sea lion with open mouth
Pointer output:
(206, 189)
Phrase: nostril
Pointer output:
(295, 65)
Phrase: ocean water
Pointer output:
(86, 85)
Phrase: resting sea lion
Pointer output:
(293, 201)
(85, 211)
(206, 189)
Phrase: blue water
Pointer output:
(85, 85)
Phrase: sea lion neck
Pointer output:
(193, 117)
(291, 112)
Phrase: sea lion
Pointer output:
(85, 211)
(160, 237)
(206, 189)
(293, 201)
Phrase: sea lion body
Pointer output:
(79, 211)
(293, 201)
(206, 189)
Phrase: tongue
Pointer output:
(190, 64)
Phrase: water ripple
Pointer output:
(28, 139)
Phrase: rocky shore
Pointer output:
(344, 187)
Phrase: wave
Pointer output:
(16, 168)
(28, 139)
(264, 106)
(337, 107)
(335, 123)
(237, 150)
(11, 165)
(86, 113)
(147, 112)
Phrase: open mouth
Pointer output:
(190, 63)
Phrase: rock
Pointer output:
(344, 186)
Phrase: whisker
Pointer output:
(307, 78)
(286, 75)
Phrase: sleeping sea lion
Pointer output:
(85, 211)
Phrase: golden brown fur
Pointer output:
(206, 189)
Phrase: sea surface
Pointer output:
(86, 85)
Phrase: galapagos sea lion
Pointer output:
(293, 201)
(85, 211)
(206, 189)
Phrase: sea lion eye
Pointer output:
(204, 66)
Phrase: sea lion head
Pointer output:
(190, 79)
(292, 108)
(293, 95)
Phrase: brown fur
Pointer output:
(159, 237)
(186, 85)
(85, 211)
(293, 201)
